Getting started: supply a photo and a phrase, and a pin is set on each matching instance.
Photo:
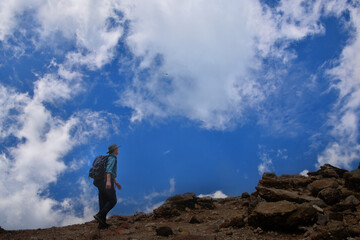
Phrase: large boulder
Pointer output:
(236, 222)
(164, 231)
(352, 180)
(182, 201)
(284, 181)
(332, 231)
(318, 185)
(205, 203)
(351, 202)
(328, 171)
(274, 195)
(304, 215)
(282, 215)
(330, 195)
(166, 211)
(173, 205)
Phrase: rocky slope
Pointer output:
(325, 205)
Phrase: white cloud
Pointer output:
(210, 52)
(35, 160)
(304, 173)
(344, 149)
(59, 86)
(93, 25)
(217, 194)
(87, 22)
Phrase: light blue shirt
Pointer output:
(111, 165)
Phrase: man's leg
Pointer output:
(102, 201)
(110, 201)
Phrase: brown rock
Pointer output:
(176, 203)
(183, 231)
(332, 231)
(347, 192)
(274, 195)
(318, 185)
(255, 199)
(328, 171)
(354, 230)
(92, 235)
(271, 215)
(330, 195)
(321, 219)
(182, 199)
(352, 180)
(245, 195)
(194, 220)
(194, 237)
(285, 181)
(304, 215)
(212, 229)
(205, 203)
(269, 175)
(334, 216)
(164, 231)
(237, 222)
(166, 211)
(352, 201)
(282, 215)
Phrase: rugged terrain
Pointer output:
(324, 205)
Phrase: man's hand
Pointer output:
(108, 184)
(118, 185)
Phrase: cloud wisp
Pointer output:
(150, 206)
(344, 148)
(267, 157)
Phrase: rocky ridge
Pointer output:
(324, 205)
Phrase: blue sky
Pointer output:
(203, 96)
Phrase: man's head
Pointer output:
(113, 148)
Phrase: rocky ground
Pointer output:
(324, 205)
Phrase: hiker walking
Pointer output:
(105, 184)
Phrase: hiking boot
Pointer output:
(100, 220)
(101, 226)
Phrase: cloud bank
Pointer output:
(203, 60)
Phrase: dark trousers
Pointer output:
(107, 197)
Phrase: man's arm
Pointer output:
(117, 184)
(108, 180)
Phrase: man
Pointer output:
(107, 194)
